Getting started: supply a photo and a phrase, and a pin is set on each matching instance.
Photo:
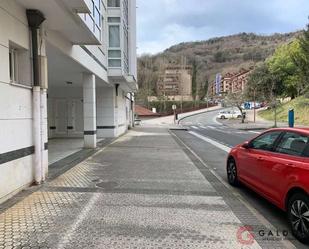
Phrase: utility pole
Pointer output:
(275, 112)
(163, 75)
(254, 105)
(149, 68)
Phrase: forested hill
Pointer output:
(216, 55)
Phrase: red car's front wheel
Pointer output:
(231, 170)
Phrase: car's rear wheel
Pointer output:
(239, 116)
(231, 170)
(298, 215)
(222, 117)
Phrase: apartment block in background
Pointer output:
(230, 83)
(175, 83)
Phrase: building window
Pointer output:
(97, 17)
(114, 62)
(114, 54)
(114, 36)
(97, 3)
(114, 58)
(13, 65)
(113, 3)
(94, 19)
(114, 19)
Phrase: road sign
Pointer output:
(174, 107)
(247, 105)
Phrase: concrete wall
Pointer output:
(106, 119)
(111, 112)
(15, 102)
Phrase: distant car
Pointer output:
(137, 120)
(229, 114)
(276, 165)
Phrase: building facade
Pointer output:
(175, 82)
(230, 83)
(68, 71)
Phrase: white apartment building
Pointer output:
(67, 73)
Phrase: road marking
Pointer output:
(83, 215)
(211, 127)
(195, 127)
(213, 142)
(255, 132)
(214, 119)
(203, 127)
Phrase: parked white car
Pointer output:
(229, 114)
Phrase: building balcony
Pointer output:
(66, 17)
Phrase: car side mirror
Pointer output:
(246, 145)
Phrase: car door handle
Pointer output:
(260, 158)
(290, 165)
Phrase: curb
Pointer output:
(191, 115)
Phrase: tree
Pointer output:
(301, 60)
(194, 79)
(237, 99)
(281, 65)
(265, 86)
(220, 56)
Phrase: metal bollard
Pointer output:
(291, 118)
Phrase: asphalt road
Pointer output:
(206, 126)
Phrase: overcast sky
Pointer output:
(163, 23)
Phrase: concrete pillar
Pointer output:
(89, 100)
(37, 134)
(44, 134)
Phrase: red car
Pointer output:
(276, 165)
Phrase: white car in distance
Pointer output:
(229, 114)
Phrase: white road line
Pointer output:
(203, 127)
(214, 119)
(79, 219)
(255, 132)
(213, 142)
(195, 127)
(211, 127)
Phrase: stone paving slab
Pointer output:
(143, 191)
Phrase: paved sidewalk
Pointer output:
(142, 191)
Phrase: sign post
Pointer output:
(174, 107)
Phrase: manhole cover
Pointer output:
(107, 185)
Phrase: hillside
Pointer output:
(300, 106)
(217, 55)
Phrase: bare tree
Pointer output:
(237, 99)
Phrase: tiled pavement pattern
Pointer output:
(143, 191)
